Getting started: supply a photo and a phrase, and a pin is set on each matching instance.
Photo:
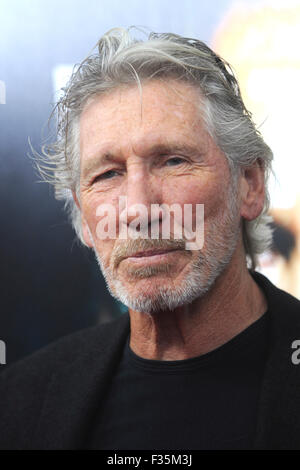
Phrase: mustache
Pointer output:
(131, 246)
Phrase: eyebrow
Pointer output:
(158, 149)
(96, 162)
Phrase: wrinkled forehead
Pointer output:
(169, 85)
(153, 113)
(166, 95)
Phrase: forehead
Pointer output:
(132, 116)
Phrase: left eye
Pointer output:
(174, 161)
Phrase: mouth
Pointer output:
(151, 256)
(140, 254)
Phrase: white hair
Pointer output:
(120, 60)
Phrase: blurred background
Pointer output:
(50, 284)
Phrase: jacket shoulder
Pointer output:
(279, 300)
(23, 384)
(64, 350)
(278, 425)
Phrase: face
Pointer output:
(150, 150)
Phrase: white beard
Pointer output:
(220, 243)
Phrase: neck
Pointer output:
(233, 303)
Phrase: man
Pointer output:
(206, 357)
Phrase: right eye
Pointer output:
(106, 175)
(173, 161)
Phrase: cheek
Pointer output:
(104, 249)
(95, 207)
(191, 191)
(98, 223)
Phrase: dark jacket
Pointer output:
(48, 400)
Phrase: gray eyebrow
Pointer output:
(108, 157)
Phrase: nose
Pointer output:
(142, 192)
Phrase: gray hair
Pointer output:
(121, 59)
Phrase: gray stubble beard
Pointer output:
(220, 244)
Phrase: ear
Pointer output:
(252, 190)
(85, 229)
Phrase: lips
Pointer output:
(141, 254)
(150, 254)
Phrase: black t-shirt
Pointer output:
(207, 402)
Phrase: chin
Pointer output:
(153, 295)
(153, 288)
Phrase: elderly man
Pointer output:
(206, 357)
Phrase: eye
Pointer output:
(106, 175)
(174, 161)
